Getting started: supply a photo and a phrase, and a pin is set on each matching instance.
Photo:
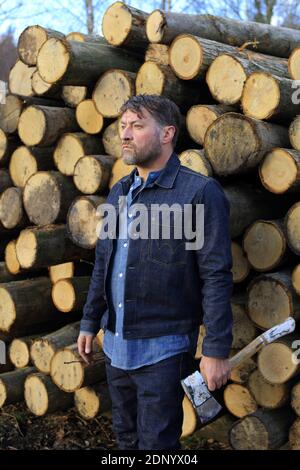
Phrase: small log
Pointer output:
(74, 95)
(12, 385)
(235, 143)
(294, 63)
(79, 63)
(227, 73)
(43, 125)
(240, 264)
(119, 170)
(263, 430)
(271, 299)
(294, 133)
(88, 118)
(12, 214)
(123, 25)
(112, 141)
(92, 401)
(279, 171)
(83, 221)
(47, 197)
(269, 97)
(5, 180)
(158, 53)
(25, 162)
(200, 117)
(112, 90)
(31, 40)
(69, 373)
(92, 173)
(294, 435)
(71, 269)
(295, 398)
(239, 400)
(190, 421)
(43, 348)
(19, 351)
(277, 361)
(71, 147)
(11, 260)
(10, 112)
(19, 80)
(265, 244)
(39, 247)
(8, 145)
(42, 396)
(292, 228)
(70, 294)
(195, 160)
(44, 89)
(296, 278)
(267, 395)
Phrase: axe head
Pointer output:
(201, 398)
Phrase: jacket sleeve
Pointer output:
(95, 305)
(214, 264)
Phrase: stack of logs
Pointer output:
(60, 154)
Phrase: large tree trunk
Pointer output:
(78, 63)
(43, 348)
(263, 430)
(43, 125)
(163, 27)
(12, 385)
(235, 143)
(48, 245)
(83, 221)
(42, 396)
(47, 197)
(25, 162)
(31, 40)
(92, 173)
(269, 97)
(272, 299)
(70, 294)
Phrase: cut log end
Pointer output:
(293, 227)
(63, 295)
(83, 221)
(294, 64)
(239, 400)
(113, 89)
(240, 263)
(32, 126)
(3, 144)
(65, 373)
(198, 120)
(74, 95)
(275, 363)
(294, 435)
(61, 271)
(26, 248)
(20, 79)
(42, 191)
(11, 208)
(41, 353)
(278, 171)
(267, 395)
(249, 434)
(226, 78)
(53, 60)
(196, 161)
(295, 398)
(30, 41)
(88, 175)
(36, 395)
(87, 402)
(155, 26)
(116, 23)
(150, 79)
(19, 353)
(189, 425)
(261, 95)
(88, 118)
(296, 278)
(3, 393)
(67, 153)
(11, 260)
(22, 165)
(186, 57)
(8, 312)
(294, 133)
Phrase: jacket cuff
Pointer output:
(220, 352)
(89, 326)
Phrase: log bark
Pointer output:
(43, 125)
(243, 329)
(88, 118)
(12, 214)
(69, 373)
(12, 385)
(294, 435)
(5, 275)
(92, 173)
(8, 144)
(25, 162)
(279, 171)
(5, 180)
(227, 73)
(19, 80)
(200, 117)
(74, 95)
(42, 396)
(39, 247)
(276, 361)
(240, 264)
(158, 53)
(112, 90)
(265, 244)
(78, 63)
(263, 430)
(43, 348)
(295, 398)
(266, 395)
(47, 197)
(235, 143)
(239, 400)
(294, 133)
(123, 25)
(271, 299)
(195, 160)
(163, 27)
(31, 40)
(10, 112)
(112, 141)
(71, 147)
(92, 401)
(269, 97)
(70, 294)
(83, 221)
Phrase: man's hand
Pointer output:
(215, 371)
(85, 349)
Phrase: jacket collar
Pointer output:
(165, 180)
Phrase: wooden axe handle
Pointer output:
(267, 337)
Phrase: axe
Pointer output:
(206, 406)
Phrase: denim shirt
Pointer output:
(135, 353)
(168, 289)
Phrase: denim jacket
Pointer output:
(169, 289)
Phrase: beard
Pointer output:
(143, 156)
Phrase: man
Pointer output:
(151, 294)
